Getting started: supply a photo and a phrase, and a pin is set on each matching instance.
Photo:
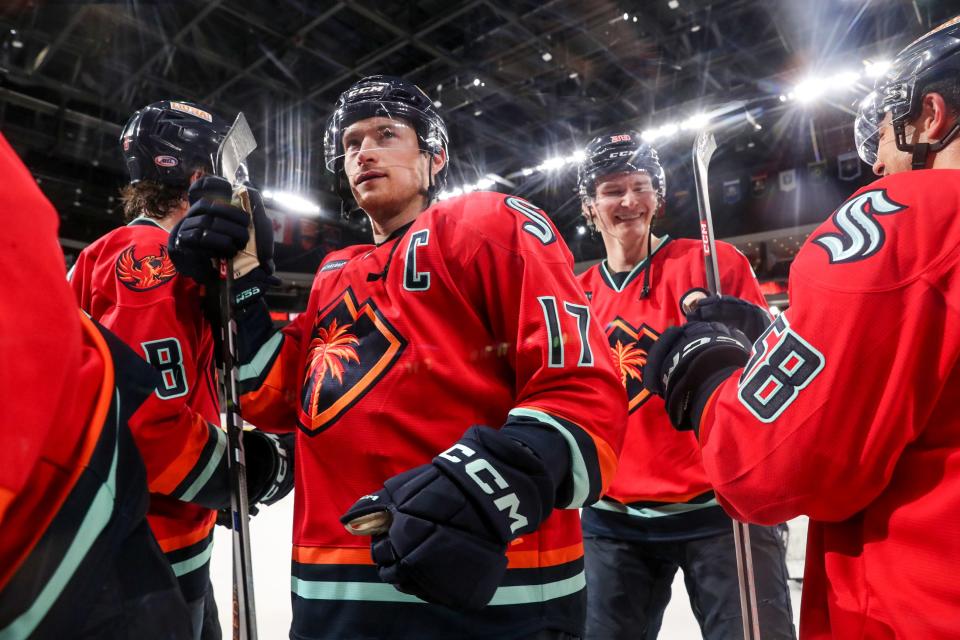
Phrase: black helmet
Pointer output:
(618, 153)
(390, 97)
(933, 57)
(168, 140)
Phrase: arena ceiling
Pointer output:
(519, 82)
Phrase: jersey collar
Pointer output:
(607, 277)
(144, 221)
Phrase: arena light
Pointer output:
(483, 184)
(875, 69)
(291, 202)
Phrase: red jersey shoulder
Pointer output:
(886, 233)
(148, 271)
(507, 221)
(138, 255)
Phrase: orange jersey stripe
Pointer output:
(549, 558)
(332, 555)
(180, 467)
(174, 543)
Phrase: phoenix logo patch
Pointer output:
(629, 347)
(351, 348)
(148, 272)
(860, 235)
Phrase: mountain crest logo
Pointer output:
(861, 235)
(629, 347)
(352, 346)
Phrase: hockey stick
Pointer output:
(703, 150)
(236, 146)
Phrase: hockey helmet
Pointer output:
(390, 97)
(619, 153)
(168, 140)
(933, 57)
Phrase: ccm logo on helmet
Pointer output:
(165, 161)
(360, 91)
(479, 467)
(620, 154)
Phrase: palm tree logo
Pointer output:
(630, 361)
(329, 352)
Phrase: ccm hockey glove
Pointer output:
(451, 520)
(269, 471)
(733, 312)
(687, 363)
(214, 229)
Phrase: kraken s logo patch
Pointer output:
(629, 347)
(352, 346)
(861, 235)
(148, 272)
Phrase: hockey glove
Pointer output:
(687, 363)
(214, 229)
(451, 520)
(733, 312)
(269, 471)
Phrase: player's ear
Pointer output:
(438, 161)
(935, 118)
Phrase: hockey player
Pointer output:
(77, 559)
(450, 375)
(126, 281)
(845, 410)
(660, 513)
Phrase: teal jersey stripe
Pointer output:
(94, 522)
(578, 467)
(254, 369)
(192, 564)
(380, 592)
(209, 469)
(654, 512)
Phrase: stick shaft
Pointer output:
(244, 610)
(702, 153)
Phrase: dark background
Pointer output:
(552, 75)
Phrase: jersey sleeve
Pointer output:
(833, 393)
(736, 275)
(184, 453)
(521, 272)
(270, 379)
(41, 346)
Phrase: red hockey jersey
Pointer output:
(67, 485)
(469, 314)
(127, 282)
(50, 373)
(847, 412)
(660, 488)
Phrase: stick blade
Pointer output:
(234, 149)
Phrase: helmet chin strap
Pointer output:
(921, 150)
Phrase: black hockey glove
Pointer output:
(213, 229)
(687, 363)
(733, 312)
(269, 471)
(451, 520)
